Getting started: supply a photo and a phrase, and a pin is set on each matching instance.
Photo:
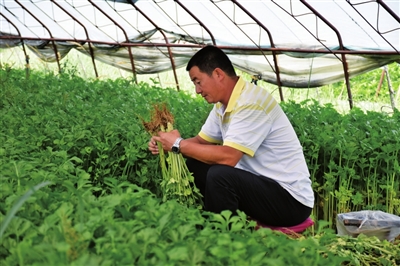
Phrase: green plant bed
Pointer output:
(353, 158)
(101, 202)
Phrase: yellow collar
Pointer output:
(237, 90)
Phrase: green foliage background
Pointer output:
(364, 87)
(103, 206)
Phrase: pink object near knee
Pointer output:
(290, 229)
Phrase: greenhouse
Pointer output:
(78, 184)
(293, 43)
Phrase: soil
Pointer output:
(160, 117)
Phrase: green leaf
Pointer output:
(18, 205)
(178, 253)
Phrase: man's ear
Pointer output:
(219, 73)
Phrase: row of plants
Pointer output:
(98, 199)
(65, 224)
(353, 158)
(369, 90)
(372, 85)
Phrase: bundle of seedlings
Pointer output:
(177, 181)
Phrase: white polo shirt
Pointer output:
(255, 124)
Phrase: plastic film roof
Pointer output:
(299, 44)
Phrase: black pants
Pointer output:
(228, 188)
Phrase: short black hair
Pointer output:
(209, 58)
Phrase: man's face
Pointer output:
(205, 85)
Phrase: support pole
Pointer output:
(391, 92)
(378, 90)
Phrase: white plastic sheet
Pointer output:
(371, 223)
(286, 26)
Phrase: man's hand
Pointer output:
(153, 148)
(166, 139)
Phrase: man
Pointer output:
(247, 156)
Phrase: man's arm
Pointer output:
(200, 149)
